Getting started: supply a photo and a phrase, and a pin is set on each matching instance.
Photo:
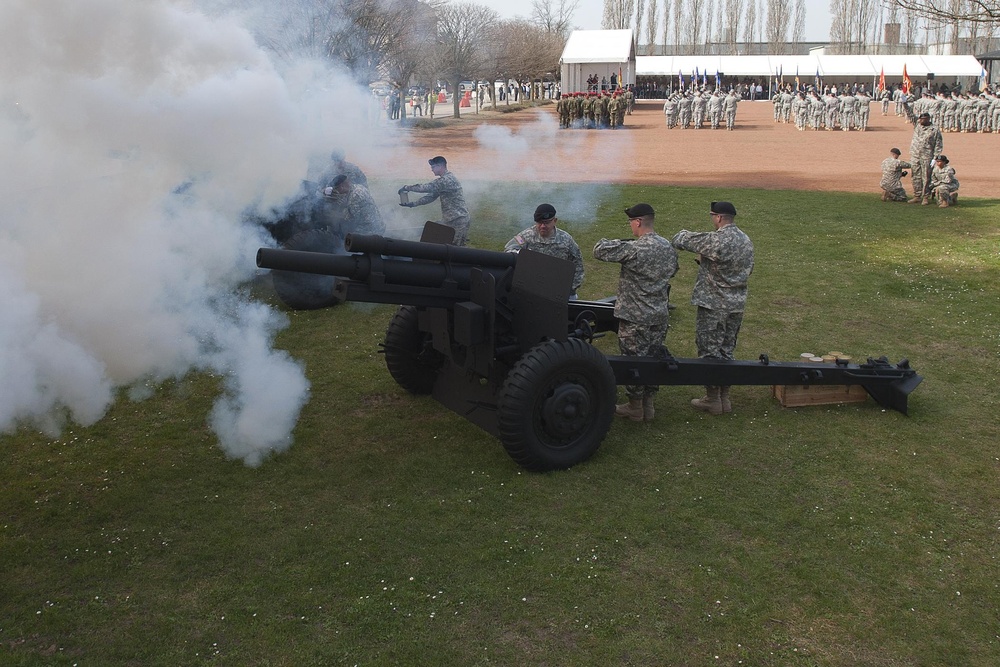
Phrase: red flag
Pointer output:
(881, 81)
(907, 84)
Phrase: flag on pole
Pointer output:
(718, 82)
(907, 84)
(818, 82)
(982, 82)
(704, 79)
(680, 80)
(881, 81)
(781, 73)
(797, 85)
(621, 84)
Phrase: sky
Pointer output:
(588, 15)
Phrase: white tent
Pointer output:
(604, 53)
(952, 65)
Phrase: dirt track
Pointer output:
(528, 145)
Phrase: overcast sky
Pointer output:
(588, 15)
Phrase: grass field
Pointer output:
(395, 533)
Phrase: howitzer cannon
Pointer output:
(492, 336)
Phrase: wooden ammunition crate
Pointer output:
(794, 396)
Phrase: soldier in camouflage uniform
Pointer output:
(729, 106)
(943, 182)
(720, 293)
(454, 212)
(892, 173)
(926, 143)
(648, 262)
(546, 238)
(361, 214)
(338, 165)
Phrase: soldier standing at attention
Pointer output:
(892, 173)
(648, 262)
(546, 238)
(720, 293)
(454, 212)
(926, 143)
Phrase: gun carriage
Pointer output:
(492, 336)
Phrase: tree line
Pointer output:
(407, 42)
(727, 26)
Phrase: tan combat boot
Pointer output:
(648, 411)
(710, 402)
(632, 409)
(727, 406)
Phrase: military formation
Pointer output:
(961, 112)
(693, 108)
(595, 110)
(829, 110)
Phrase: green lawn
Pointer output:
(394, 533)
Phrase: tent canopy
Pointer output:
(841, 67)
(599, 46)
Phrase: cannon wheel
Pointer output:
(556, 405)
(411, 360)
(307, 291)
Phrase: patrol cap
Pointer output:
(639, 211)
(895, 151)
(941, 158)
(545, 212)
(723, 207)
(436, 160)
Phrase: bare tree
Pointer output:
(750, 29)
(778, 18)
(695, 16)
(678, 22)
(459, 54)
(555, 17)
(733, 14)
(971, 11)
(652, 26)
(798, 23)
(666, 25)
(618, 14)
(709, 21)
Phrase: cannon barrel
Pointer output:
(441, 252)
(362, 267)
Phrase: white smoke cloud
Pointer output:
(132, 137)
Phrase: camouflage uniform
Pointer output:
(944, 184)
(670, 112)
(352, 171)
(892, 172)
(454, 212)
(647, 265)
(362, 213)
(927, 142)
(729, 104)
(561, 245)
(720, 290)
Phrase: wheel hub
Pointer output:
(566, 411)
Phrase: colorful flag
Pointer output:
(797, 85)
(718, 82)
(982, 83)
(818, 83)
(881, 81)
(680, 80)
(907, 84)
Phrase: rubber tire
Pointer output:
(308, 291)
(556, 405)
(411, 360)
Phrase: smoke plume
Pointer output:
(133, 137)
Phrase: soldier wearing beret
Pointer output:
(546, 238)
(648, 262)
(454, 212)
(720, 292)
